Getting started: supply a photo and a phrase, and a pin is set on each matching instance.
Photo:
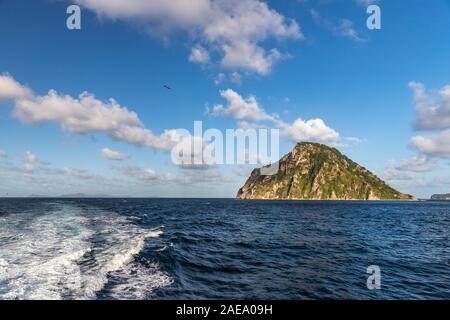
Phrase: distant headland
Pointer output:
(441, 197)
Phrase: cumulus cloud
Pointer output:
(396, 177)
(114, 155)
(235, 29)
(246, 55)
(249, 109)
(147, 175)
(2, 153)
(87, 114)
(187, 177)
(433, 113)
(240, 108)
(417, 164)
(193, 152)
(139, 173)
(33, 166)
(433, 145)
(314, 129)
(199, 55)
(11, 89)
(30, 161)
(409, 173)
(165, 15)
(234, 77)
(433, 110)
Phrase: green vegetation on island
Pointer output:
(314, 171)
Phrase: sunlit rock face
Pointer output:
(313, 171)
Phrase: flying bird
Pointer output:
(167, 87)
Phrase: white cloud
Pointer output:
(253, 158)
(236, 29)
(417, 164)
(114, 155)
(311, 130)
(145, 138)
(11, 89)
(78, 173)
(150, 175)
(245, 55)
(396, 177)
(199, 55)
(343, 28)
(366, 3)
(193, 152)
(346, 29)
(37, 175)
(187, 177)
(208, 177)
(139, 173)
(236, 78)
(86, 114)
(30, 161)
(240, 108)
(244, 125)
(2, 153)
(433, 110)
(242, 171)
(249, 109)
(433, 113)
(220, 78)
(30, 157)
(407, 173)
(347, 142)
(434, 145)
(165, 15)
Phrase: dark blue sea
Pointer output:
(222, 249)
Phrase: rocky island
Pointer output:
(315, 171)
(441, 197)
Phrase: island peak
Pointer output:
(314, 171)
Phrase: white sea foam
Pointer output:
(114, 256)
(137, 282)
(69, 254)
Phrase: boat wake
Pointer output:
(73, 253)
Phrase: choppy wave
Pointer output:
(222, 249)
(68, 253)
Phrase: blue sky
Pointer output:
(383, 92)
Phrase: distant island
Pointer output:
(315, 171)
(75, 195)
(440, 196)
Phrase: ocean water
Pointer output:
(222, 249)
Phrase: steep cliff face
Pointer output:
(317, 172)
